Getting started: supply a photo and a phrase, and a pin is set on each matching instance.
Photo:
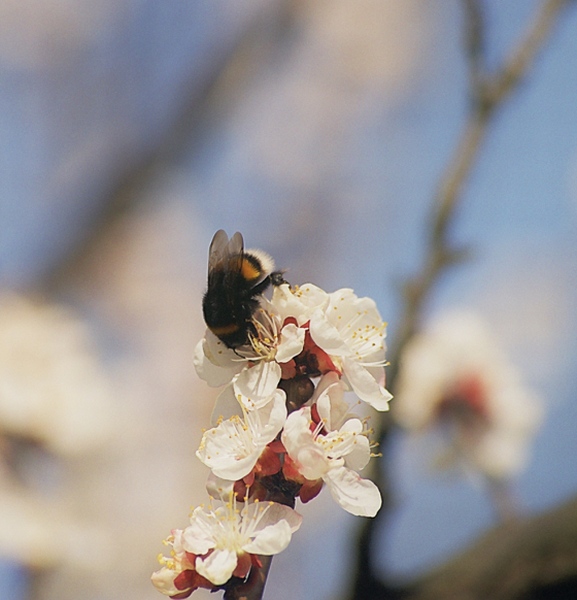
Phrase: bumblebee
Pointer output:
(236, 279)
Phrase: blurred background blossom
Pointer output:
(133, 130)
(55, 409)
(455, 379)
(52, 392)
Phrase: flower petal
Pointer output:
(218, 566)
(299, 303)
(365, 385)
(356, 495)
(275, 525)
(222, 450)
(213, 361)
(360, 454)
(291, 344)
(226, 406)
(255, 386)
(329, 397)
(163, 581)
(219, 488)
(326, 335)
(298, 440)
(270, 540)
(197, 537)
(267, 421)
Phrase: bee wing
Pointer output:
(221, 249)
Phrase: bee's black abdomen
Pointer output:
(236, 279)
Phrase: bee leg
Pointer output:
(261, 287)
(277, 278)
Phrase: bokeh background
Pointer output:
(132, 130)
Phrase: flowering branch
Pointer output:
(282, 429)
(488, 93)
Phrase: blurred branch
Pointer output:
(488, 93)
(474, 43)
(234, 61)
(531, 558)
(492, 95)
(522, 57)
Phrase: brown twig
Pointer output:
(253, 587)
(488, 93)
(474, 44)
(528, 558)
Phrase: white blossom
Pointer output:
(454, 378)
(254, 369)
(333, 456)
(221, 537)
(232, 448)
(177, 577)
(52, 388)
(349, 329)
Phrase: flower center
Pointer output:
(263, 344)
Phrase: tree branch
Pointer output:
(522, 559)
(474, 44)
(253, 587)
(488, 93)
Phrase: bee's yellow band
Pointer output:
(225, 329)
(249, 270)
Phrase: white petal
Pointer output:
(219, 488)
(213, 361)
(356, 495)
(273, 525)
(292, 343)
(327, 336)
(226, 406)
(228, 454)
(256, 385)
(298, 440)
(312, 461)
(267, 421)
(270, 540)
(218, 566)
(360, 455)
(348, 439)
(365, 385)
(296, 430)
(300, 303)
(197, 537)
(329, 397)
(163, 581)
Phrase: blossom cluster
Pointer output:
(46, 356)
(282, 429)
(55, 403)
(455, 379)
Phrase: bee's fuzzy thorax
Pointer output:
(265, 260)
